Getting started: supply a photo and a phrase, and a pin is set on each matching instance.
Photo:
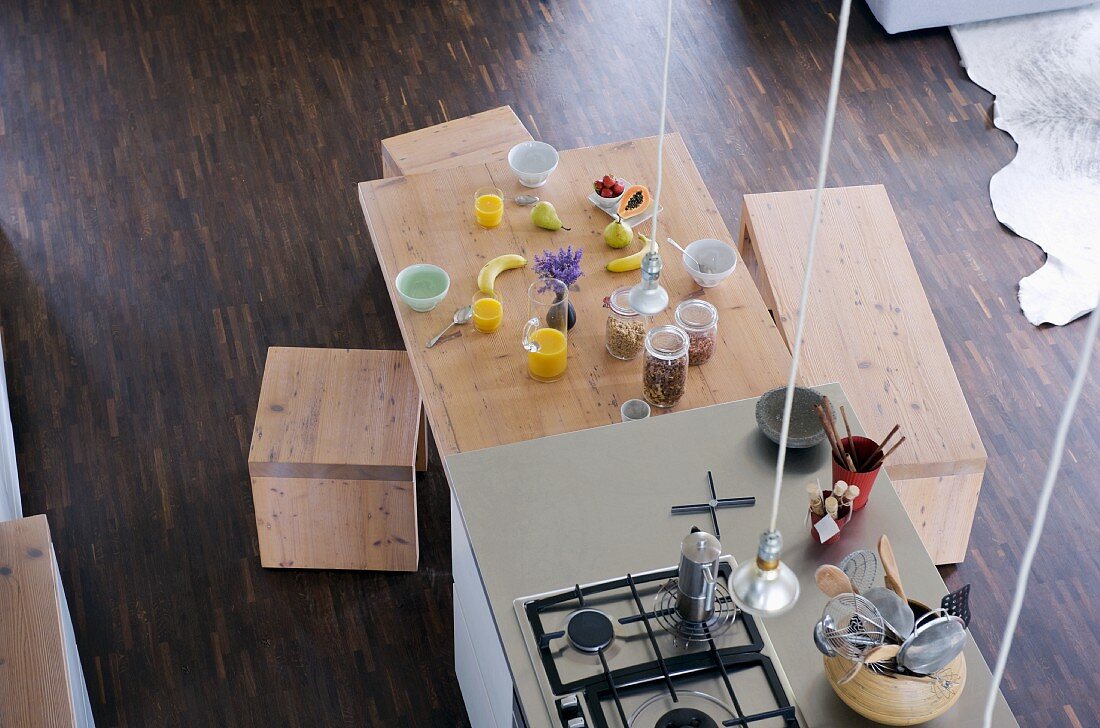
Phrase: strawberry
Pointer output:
(607, 181)
(605, 192)
(617, 189)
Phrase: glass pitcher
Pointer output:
(546, 333)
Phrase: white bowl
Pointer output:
(422, 286)
(533, 162)
(716, 256)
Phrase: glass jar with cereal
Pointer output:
(625, 326)
(664, 376)
(700, 320)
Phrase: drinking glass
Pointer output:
(546, 333)
(488, 312)
(488, 206)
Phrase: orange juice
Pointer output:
(548, 363)
(488, 313)
(489, 209)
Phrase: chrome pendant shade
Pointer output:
(765, 586)
(649, 297)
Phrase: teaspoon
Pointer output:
(702, 268)
(462, 315)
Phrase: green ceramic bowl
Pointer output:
(422, 286)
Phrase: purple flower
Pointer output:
(564, 265)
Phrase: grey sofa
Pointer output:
(898, 16)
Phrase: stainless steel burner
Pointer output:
(693, 709)
(686, 718)
(666, 614)
(589, 630)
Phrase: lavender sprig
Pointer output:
(564, 265)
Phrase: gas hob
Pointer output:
(616, 654)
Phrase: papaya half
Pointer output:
(635, 200)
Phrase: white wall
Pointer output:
(10, 505)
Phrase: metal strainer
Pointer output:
(851, 624)
(861, 567)
(933, 645)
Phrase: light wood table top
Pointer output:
(34, 680)
(869, 325)
(475, 386)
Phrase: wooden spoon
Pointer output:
(832, 581)
(890, 566)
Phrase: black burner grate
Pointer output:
(714, 504)
(663, 671)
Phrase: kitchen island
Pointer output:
(544, 515)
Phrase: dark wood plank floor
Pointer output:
(177, 194)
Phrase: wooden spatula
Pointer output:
(890, 566)
(832, 581)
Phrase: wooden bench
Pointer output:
(35, 684)
(870, 327)
(477, 139)
(333, 460)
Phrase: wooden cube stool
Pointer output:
(333, 460)
(475, 139)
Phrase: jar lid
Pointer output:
(619, 302)
(695, 314)
(667, 342)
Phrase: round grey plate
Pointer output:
(806, 429)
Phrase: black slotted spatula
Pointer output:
(957, 603)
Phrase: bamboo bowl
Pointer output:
(894, 700)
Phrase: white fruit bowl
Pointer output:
(533, 162)
(719, 258)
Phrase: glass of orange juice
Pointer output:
(546, 333)
(488, 312)
(488, 206)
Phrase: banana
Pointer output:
(631, 262)
(489, 272)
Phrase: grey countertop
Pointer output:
(585, 506)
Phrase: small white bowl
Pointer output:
(422, 286)
(634, 410)
(716, 256)
(533, 162)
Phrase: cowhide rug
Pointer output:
(1044, 70)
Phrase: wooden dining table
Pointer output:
(475, 386)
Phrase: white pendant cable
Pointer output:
(661, 127)
(1041, 512)
(822, 168)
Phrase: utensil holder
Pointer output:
(843, 516)
(864, 447)
(902, 700)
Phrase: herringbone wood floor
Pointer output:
(177, 194)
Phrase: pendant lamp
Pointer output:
(765, 586)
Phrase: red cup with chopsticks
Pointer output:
(856, 459)
(864, 448)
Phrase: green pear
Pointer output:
(618, 234)
(546, 217)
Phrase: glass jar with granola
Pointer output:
(664, 376)
(625, 326)
(700, 320)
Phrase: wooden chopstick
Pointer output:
(878, 451)
(887, 454)
(851, 442)
(831, 424)
(828, 433)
